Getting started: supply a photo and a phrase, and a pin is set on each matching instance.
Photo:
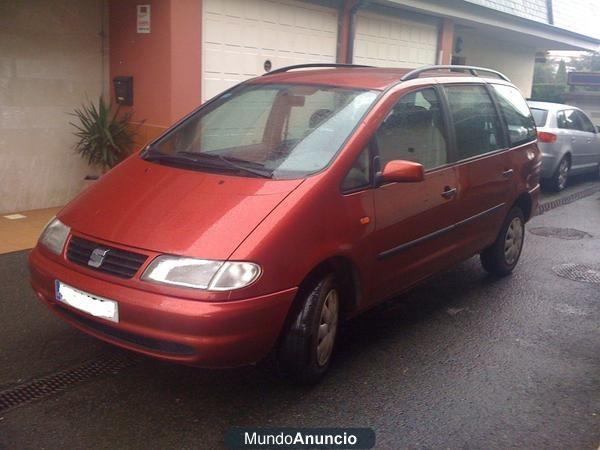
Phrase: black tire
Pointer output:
(496, 259)
(298, 352)
(557, 182)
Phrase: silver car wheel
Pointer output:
(327, 327)
(563, 173)
(513, 241)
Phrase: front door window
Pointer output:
(414, 131)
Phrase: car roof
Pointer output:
(550, 106)
(376, 78)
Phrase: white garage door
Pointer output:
(392, 42)
(240, 35)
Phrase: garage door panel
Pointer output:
(269, 14)
(213, 32)
(393, 42)
(246, 33)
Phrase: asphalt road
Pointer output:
(465, 360)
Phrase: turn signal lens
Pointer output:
(234, 275)
(544, 136)
(54, 236)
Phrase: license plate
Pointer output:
(88, 303)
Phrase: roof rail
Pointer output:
(472, 69)
(308, 66)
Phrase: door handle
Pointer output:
(589, 140)
(573, 139)
(508, 173)
(449, 192)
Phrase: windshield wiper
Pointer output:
(234, 163)
(218, 162)
(265, 173)
(180, 159)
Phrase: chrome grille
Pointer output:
(117, 262)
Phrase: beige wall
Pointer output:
(50, 62)
(513, 59)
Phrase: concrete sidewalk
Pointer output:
(20, 231)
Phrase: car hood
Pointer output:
(171, 210)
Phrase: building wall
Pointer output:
(515, 61)
(581, 16)
(165, 63)
(145, 57)
(530, 9)
(50, 62)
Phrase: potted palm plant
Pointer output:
(105, 137)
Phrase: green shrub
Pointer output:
(105, 137)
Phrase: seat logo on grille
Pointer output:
(97, 257)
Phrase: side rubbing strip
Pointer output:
(400, 248)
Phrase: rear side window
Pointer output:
(414, 131)
(476, 123)
(520, 123)
(540, 116)
(568, 120)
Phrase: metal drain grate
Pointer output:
(107, 363)
(567, 199)
(579, 272)
(561, 233)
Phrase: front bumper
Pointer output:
(200, 333)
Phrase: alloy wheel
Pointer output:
(513, 241)
(327, 327)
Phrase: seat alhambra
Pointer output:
(289, 203)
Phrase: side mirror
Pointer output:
(399, 171)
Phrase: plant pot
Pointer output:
(88, 181)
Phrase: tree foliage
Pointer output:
(550, 77)
(589, 62)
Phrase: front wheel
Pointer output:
(503, 255)
(305, 350)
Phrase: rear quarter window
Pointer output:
(586, 123)
(539, 116)
(518, 118)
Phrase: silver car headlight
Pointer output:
(54, 236)
(201, 273)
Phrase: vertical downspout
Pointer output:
(104, 50)
(352, 29)
(340, 56)
(550, 12)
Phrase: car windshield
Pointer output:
(539, 116)
(274, 131)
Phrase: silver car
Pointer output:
(569, 142)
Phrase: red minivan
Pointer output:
(288, 203)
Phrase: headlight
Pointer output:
(201, 273)
(54, 236)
